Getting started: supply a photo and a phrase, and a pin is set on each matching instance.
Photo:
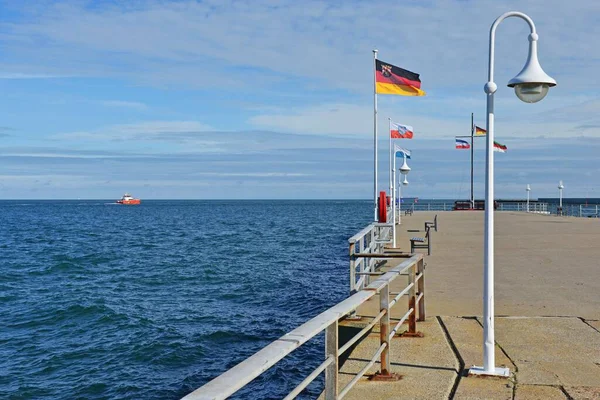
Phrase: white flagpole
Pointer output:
(390, 136)
(394, 199)
(375, 130)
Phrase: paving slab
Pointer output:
(527, 392)
(467, 336)
(544, 265)
(583, 393)
(427, 365)
(551, 350)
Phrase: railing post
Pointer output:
(384, 329)
(412, 318)
(352, 268)
(331, 372)
(369, 262)
(421, 287)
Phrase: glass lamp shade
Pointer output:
(405, 181)
(531, 92)
(404, 169)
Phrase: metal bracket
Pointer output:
(385, 377)
(411, 334)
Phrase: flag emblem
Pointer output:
(400, 131)
(390, 79)
(462, 144)
(386, 70)
(480, 131)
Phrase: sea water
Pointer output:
(104, 301)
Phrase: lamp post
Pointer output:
(404, 170)
(528, 190)
(531, 85)
(560, 189)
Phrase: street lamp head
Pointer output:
(405, 181)
(560, 185)
(404, 169)
(528, 188)
(532, 83)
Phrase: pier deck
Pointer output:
(547, 307)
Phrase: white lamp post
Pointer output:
(528, 190)
(404, 170)
(531, 85)
(560, 189)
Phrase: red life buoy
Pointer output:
(382, 207)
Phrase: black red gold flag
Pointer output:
(390, 79)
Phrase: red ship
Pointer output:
(128, 199)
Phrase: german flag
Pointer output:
(479, 131)
(390, 79)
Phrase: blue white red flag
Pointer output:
(462, 144)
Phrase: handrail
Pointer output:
(237, 377)
(361, 234)
(370, 240)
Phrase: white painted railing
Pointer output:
(237, 377)
(587, 211)
(371, 239)
(538, 208)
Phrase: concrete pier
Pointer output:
(547, 312)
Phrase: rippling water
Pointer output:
(102, 301)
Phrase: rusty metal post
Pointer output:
(412, 297)
(412, 301)
(331, 372)
(421, 289)
(384, 329)
(384, 373)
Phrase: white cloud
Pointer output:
(352, 119)
(22, 75)
(329, 43)
(138, 131)
(135, 105)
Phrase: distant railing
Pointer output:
(539, 208)
(237, 377)
(589, 211)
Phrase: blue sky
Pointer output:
(273, 99)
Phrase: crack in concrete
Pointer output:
(588, 324)
(461, 362)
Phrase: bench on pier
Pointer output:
(432, 223)
(422, 242)
(408, 211)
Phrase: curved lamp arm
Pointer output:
(491, 86)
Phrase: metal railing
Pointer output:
(589, 211)
(430, 207)
(370, 240)
(539, 208)
(237, 377)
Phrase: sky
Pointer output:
(262, 99)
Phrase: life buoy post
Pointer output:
(382, 205)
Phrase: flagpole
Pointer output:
(375, 130)
(393, 192)
(390, 136)
(472, 129)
